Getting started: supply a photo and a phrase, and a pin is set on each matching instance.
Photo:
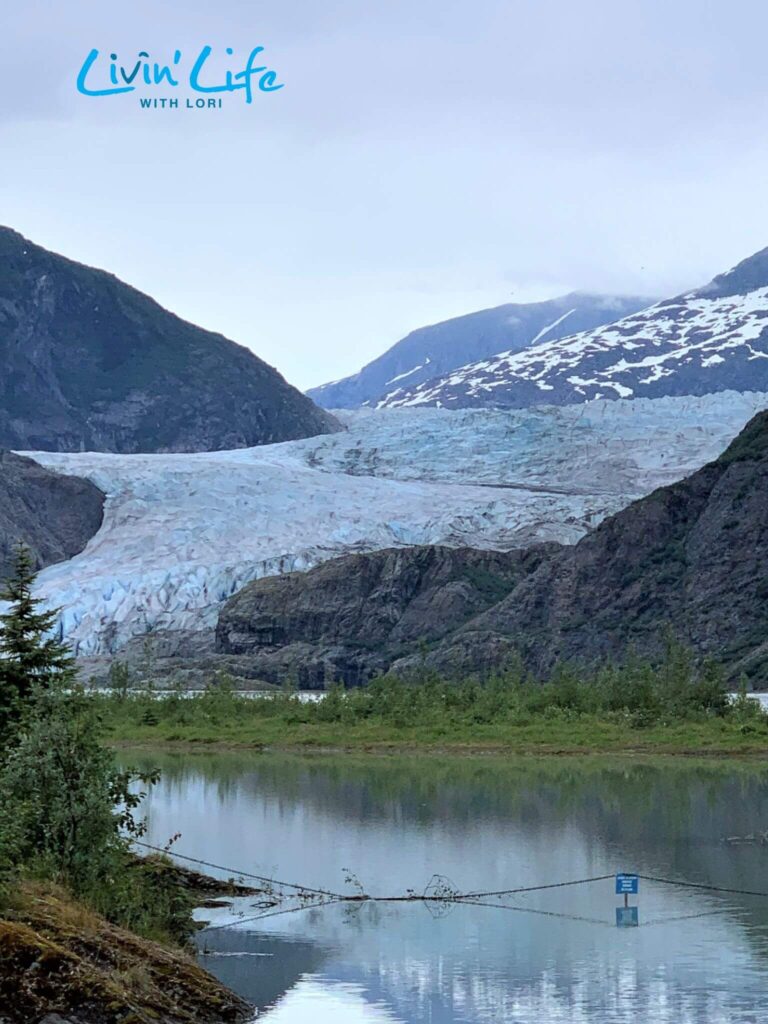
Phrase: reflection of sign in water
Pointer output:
(628, 885)
(627, 917)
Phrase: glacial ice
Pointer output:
(181, 533)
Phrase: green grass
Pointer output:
(576, 733)
(675, 707)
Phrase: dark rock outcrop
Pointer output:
(349, 618)
(687, 557)
(89, 363)
(53, 514)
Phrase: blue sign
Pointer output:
(627, 885)
(627, 917)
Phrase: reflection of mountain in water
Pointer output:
(674, 816)
(491, 823)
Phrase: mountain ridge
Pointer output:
(91, 363)
(711, 339)
(442, 346)
(53, 514)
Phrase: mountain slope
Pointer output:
(705, 341)
(434, 350)
(53, 514)
(351, 617)
(90, 363)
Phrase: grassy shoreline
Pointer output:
(677, 708)
(587, 735)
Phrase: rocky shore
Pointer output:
(60, 963)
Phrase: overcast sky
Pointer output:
(425, 158)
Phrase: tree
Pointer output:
(68, 812)
(32, 655)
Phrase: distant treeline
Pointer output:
(635, 693)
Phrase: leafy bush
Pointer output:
(70, 807)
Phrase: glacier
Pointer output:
(183, 532)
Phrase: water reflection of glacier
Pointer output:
(323, 1000)
(487, 824)
(481, 967)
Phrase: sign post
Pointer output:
(626, 886)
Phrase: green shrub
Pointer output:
(67, 813)
(634, 692)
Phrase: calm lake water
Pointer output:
(486, 824)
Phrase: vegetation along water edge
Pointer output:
(676, 707)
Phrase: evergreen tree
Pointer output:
(32, 656)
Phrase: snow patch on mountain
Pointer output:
(181, 533)
(691, 345)
(550, 327)
(410, 373)
(435, 350)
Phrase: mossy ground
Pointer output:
(58, 957)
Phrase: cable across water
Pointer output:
(441, 893)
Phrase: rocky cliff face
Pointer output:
(89, 363)
(350, 618)
(53, 514)
(688, 556)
